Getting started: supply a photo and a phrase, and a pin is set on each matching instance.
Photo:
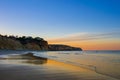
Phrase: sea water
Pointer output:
(102, 62)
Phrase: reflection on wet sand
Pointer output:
(34, 59)
(51, 70)
(26, 58)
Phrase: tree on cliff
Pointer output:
(20, 43)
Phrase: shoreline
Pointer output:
(33, 68)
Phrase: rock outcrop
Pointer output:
(57, 47)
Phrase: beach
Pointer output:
(29, 67)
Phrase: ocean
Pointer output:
(105, 62)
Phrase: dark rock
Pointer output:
(57, 47)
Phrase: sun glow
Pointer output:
(102, 44)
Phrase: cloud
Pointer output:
(85, 36)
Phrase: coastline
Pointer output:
(31, 68)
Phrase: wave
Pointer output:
(32, 58)
(25, 58)
(86, 66)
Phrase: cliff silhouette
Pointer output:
(22, 43)
(60, 47)
(30, 43)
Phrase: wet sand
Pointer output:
(31, 68)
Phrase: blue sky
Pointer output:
(56, 18)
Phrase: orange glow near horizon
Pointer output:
(65, 66)
(103, 44)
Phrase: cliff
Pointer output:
(22, 43)
(57, 47)
(30, 43)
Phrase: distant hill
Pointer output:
(30, 43)
(59, 47)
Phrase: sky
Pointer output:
(89, 24)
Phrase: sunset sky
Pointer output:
(89, 24)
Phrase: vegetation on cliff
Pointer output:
(22, 43)
(30, 43)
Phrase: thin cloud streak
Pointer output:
(85, 36)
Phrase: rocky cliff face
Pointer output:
(43, 45)
(29, 43)
(22, 43)
(54, 47)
